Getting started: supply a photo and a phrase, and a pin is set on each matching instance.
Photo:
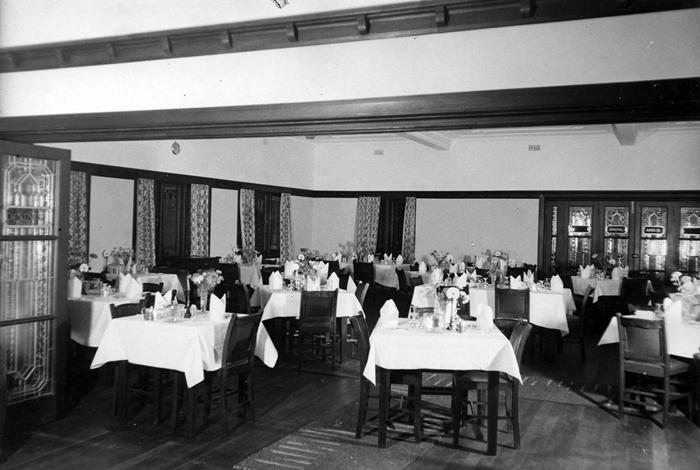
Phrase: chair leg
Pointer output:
(333, 340)
(251, 401)
(515, 414)
(621, 394)
(362, 407)
(175, 397)
(224, 402)
(667, 398)
(456, 410)
(417, 420)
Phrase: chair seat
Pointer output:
(480, 377)
(656, 370)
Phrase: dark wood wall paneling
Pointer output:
(368, 23)
(643, 101)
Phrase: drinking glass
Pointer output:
(412, 317)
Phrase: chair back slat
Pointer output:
(334, 267)
(634, 291)
(230, 272)
(153, 287)
(363, 271)
(403, 280)
(512, 303)
(317, 311)
(361, 293)
(241, 334)
(517, 330)
(125, 310)
(359, 324)
(642, 339)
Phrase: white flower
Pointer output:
(84, 268)
(497, 253)
(105, 254)
(301, 257)
(464, 297)
(612, 262)
(452, 293)
(676, 277)
(196, 278)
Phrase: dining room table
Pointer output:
(170, 281)
(250, 274)
(548, 309)
(601, 287)
(89, 316)
(415, 348)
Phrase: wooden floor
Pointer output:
(306, 420)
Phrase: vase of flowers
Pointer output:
(205, 281)
(496, 263)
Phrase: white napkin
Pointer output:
(370, 258)
(399, 259)
(333, 282)
(516, 283)
(422, 268)
(276, 282)
(556, 284)
(484, 317)
(625, 272)
(389, 315)
(237, 259)
(351, 287)
(75, 288)
(124, 281)
(473, 276)
(134, 288)
(453, 268)
(388, 258)
(616, 274)
(288, 269)
(674, 312)
(436, 276)
(529, 277)
(313, 284)
(462, 281)
(159, 301)
(461, 267)
(587, 272)
(217, 308)
(258, 259)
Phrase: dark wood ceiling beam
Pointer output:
(649, 101)
(351, 25)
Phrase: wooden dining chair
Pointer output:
(153, 287)
(317, 328)
(577, 323)
(3, 406)
(363, 272)
(512, 303)
(643, 355)
(517, 330)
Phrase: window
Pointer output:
(390, 231)
(267, 224)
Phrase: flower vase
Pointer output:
(203, 299)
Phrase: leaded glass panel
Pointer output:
(580, 221)
(29, 189)
(617, 229)
(580, 230)
(27, 350)
(579, 251)
(26, 278)
(555, 223)
(653, 238)
(689, 245)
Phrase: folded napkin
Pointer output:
(516, 283)
(556, 284)
(399, 259)
(134, 288)
(160, 300)
(484, 317)
(388, 258)
(462, 281)
(616, 274)
(453, 268)
(351, 287)
(388, 315)
(124, 281)
(529, 277)
(370, 258)
(473, 276)
(217, 308)
(237, 259)
(625, 272)
(422, 268)
(436, 276)
(587, 272)
(75, 288)
(674, 312)
(275, 282)
(461, 267)
(313, 284)
(333, 282)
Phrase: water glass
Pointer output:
(413, 320)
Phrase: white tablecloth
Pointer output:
(547, 309)
(286, 303)
(250, 274)
(189, 346)
(415, 348)
(600, 286)
(683, 339)
(89, 316)
(170, 282)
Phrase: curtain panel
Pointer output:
(78, 219)
(247, 215)
(408, 242)
(199, 220)
(285, 227)
(366, 225)
(145, 252)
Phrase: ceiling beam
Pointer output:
(628, 102)
(388, 21)
(433, 140)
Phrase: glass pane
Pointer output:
(689, 246)
(26, 278)
(579, 251)
(580, 221)
(29, 189)
(653, 255)
(27, 350)
(555, 223)
(617, 222)
(654, 222)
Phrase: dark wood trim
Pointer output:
(388, 21)
(644, 101)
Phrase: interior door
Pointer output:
(34, 331)
(172, 221)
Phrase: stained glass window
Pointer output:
(689, 245)
(28, 196)
(555, 222)
(580, 230)
(653, 238)
(616, 237)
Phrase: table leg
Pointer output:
(343, 335)
(122, 387)
(492, 413)
(383, 389)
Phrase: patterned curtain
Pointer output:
(285, 227)
(408, 242)
(78, 219)
(247, 212)
(199, 220)
(366, 225)
(145, 222)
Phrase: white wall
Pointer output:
(224, 221)
(302, 222)
(333, 223)
(471, 226)
(111, 216)
(615, 49)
